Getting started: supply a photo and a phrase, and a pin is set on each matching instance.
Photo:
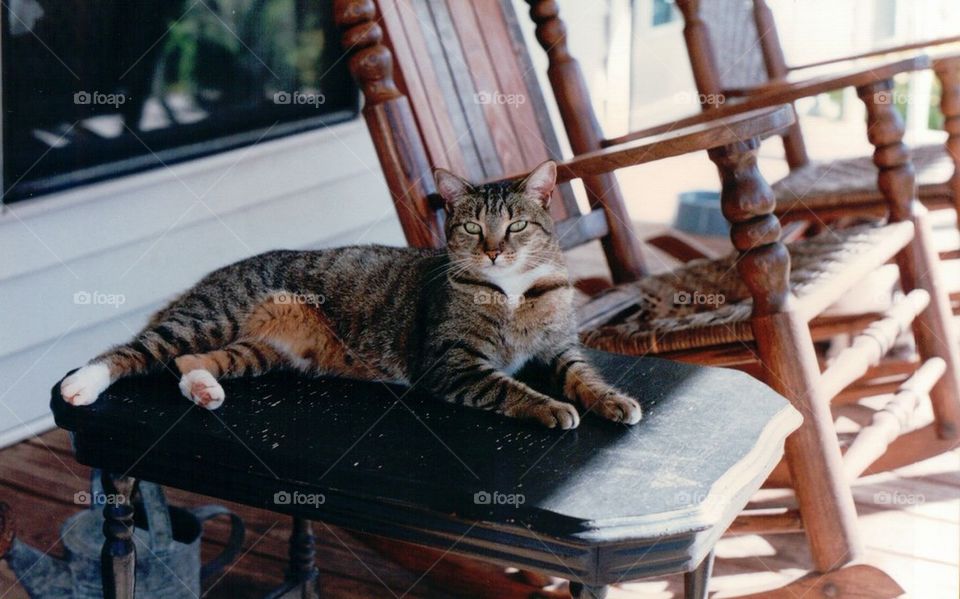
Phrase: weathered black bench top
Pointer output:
(388, 460)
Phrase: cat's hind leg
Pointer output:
(86, 384)
(200, 373)
(153, 346)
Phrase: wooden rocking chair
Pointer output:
(721, 32)
(449, 84)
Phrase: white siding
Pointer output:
(148, 236)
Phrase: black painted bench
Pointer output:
(600, 504)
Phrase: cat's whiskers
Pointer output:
(454, 267)
(538, 259)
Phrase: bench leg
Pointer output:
(582, 591)
(303, 575)
(695, 582)
(303, 558)
(118, 558)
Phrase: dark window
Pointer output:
(92, 90)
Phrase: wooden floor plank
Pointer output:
(918, 538)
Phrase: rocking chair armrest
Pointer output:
(814, 81)
(934, 48)
(713, 133)
(701, 118)
(786, 91)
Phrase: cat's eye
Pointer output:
(472, 228)
(516, 226)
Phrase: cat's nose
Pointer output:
(492, 254)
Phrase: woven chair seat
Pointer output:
(705, 303)
(820, 185)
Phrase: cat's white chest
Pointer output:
(514, 284)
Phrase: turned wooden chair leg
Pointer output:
(949, 74)
(918, 262)
(118, 558)
(695, 583)
(788, 358)
(583, 591)
(303, 559)
(812, 452)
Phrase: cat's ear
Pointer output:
(450, 187)
(539, 184)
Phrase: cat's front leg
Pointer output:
(582, 384)
(517, 400)
(479, 385)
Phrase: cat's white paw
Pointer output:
(202, 388)
(84, 386)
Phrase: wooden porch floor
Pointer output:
(910, 521)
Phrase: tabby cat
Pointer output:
(458, 322)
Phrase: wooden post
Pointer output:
(621, 245)
(391, 122)
(793, 144)
(788, 357)
(303, 558)
(695, 583)
(948, 71)
(706, 75)
(118, 558)
(918, 261)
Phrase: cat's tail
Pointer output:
(160, 342)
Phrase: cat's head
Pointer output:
(499, 227)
